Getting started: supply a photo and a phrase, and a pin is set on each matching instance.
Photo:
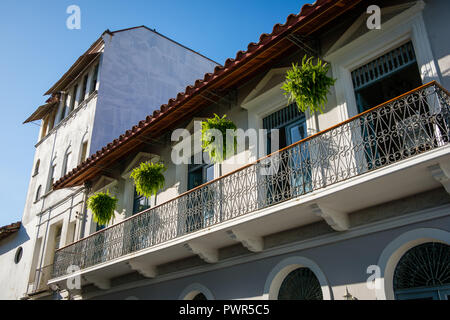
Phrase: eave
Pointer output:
(235, 71)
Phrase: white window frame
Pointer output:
(262, 105)
(65, 167)
(193, 290)
(285, 267)
(406, 26)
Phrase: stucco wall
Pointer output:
(53, 208)
(344, 265)
(141, 71)
(12, 275)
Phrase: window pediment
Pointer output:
(359, 28)
(104, 182)
(269, 85)
(139, 158)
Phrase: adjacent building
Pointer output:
(358, 208)
(121, 78)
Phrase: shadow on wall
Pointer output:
(14, 241)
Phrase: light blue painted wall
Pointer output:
(343, 263)
(141, 70)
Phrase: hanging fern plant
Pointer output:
(149, 178)
(102, 206)
(209, 144)
(308, 85)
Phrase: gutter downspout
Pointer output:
(87, 191)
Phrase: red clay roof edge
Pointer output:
(230, 64)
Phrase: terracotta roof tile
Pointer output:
(8, 230)
(252, 48)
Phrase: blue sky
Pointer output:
(37, 48)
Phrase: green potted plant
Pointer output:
(149, 178)
(209, 144)
(308, 85)
(102, 205)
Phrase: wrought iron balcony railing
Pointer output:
(414, 123)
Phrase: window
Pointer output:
(283, 120)
(51, 122)
(200, 297)
(99, 227)
(36, 167)
(18, 255)
(64, 108)
(381, 80)
(73, 98)
(292, 128)
(38, 194)
(84, 88)
(199, 174)
(67, 162)
(423, 273)
(83, 151)
(140, 203)
(200, 209)
(94, 80)
(52, 178)
(300, 284)
(386, 77)
(58, 237)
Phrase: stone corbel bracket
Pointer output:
(207, 254)
(441, 173)
(99, 282)
(337, 220)
(143, 268)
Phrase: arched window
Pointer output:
(73, 98)
(38, 194)
(83, 149)
(423, 272)
(51, 177)
(67, 162)
(36, 167)
(300, 284)
(297, 278)
(18, 255)
(94, 79)
(196, 291)
(199, 297)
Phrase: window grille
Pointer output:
(383, 66)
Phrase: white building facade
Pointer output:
(121, 78)
(358, 206)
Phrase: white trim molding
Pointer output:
(394, 251)
(406, 26)
(286, 266)
(260, 104)
(194, 289)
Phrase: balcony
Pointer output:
(324, 177)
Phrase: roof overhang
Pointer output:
(8, 230)
(41, 112)
(258, 57)
(73, 73)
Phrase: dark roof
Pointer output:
(6, 231)
(270, 46)
(74, 71)
(44, 109)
